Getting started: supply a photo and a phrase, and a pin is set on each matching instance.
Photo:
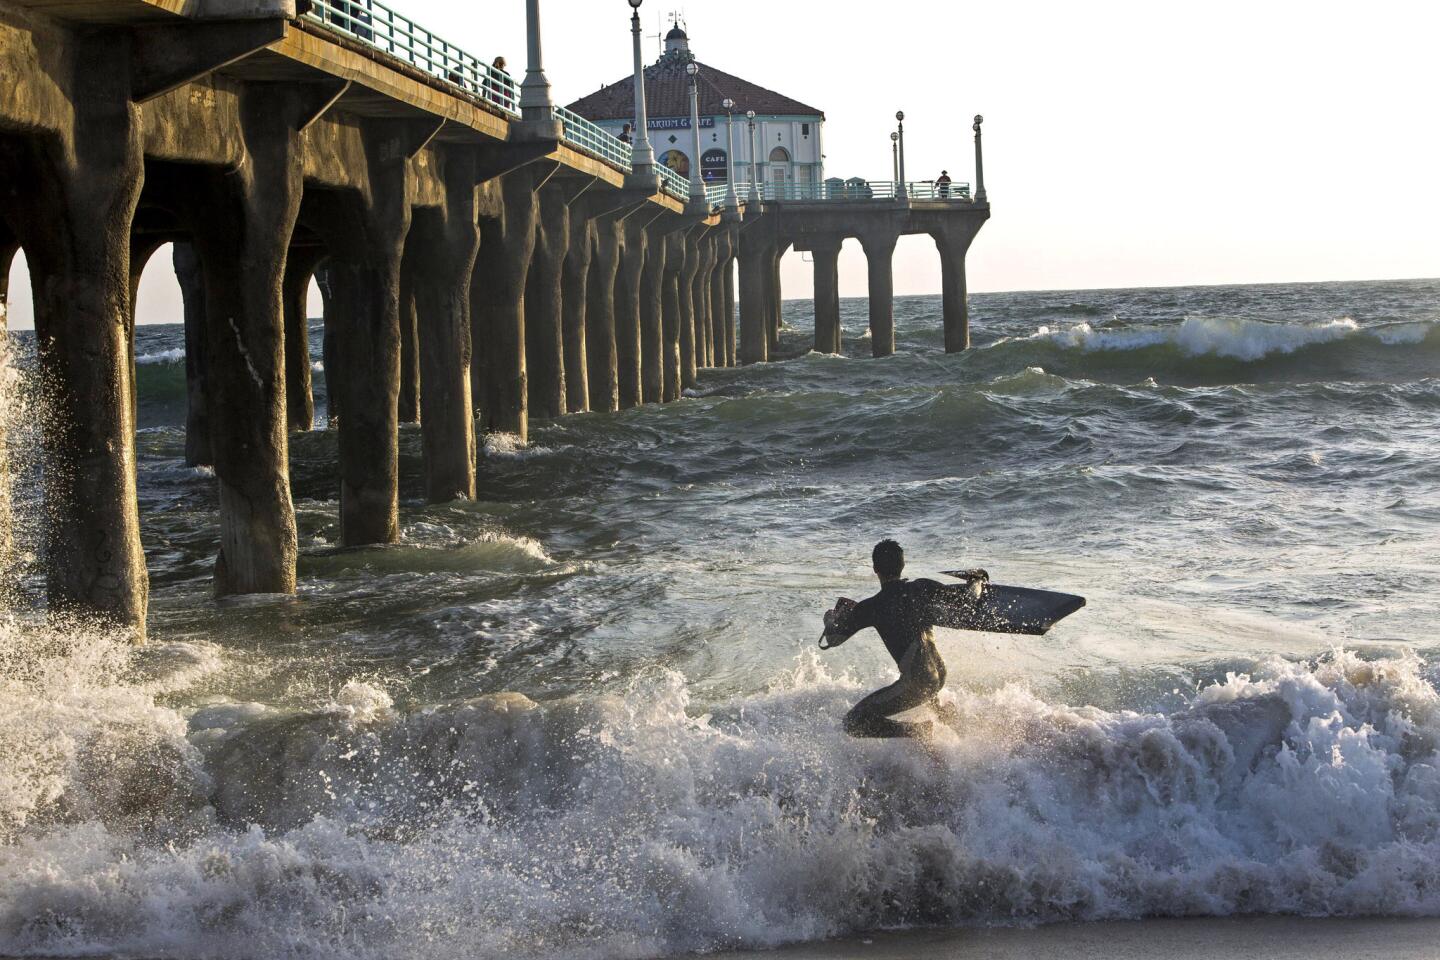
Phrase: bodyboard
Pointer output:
(1003, 609)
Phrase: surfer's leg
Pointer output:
(871, 716)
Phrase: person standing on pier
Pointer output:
(943, 185)
(625, 134)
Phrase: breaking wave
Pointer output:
(645, 824)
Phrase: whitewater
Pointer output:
(584, 717)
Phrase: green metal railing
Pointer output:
(673, 183)
(382, 28)
(593, 139)
(852, 190)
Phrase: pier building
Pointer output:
(787, 134)
(488, 258)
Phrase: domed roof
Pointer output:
(676, 33)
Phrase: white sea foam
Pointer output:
(1235, 338)
(509, 446)
(630, 826)
(164, 356)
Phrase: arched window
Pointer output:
(779, 155)
(677, 161)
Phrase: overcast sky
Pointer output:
(1126, 143)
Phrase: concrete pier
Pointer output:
(446, 240)
(655, 359)
(628, 350)
(482, 257)
(9, 246)
(603, 282)
(575, 301)
(827, 295)
(71, 203)
(243, 238)
(545, 301)
(879, 255)
(690, 267)
(507, 248)
(674, 263)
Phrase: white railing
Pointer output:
(382, 28)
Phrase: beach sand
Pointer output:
(1242, 938)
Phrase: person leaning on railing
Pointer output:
(942, 186)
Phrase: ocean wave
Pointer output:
(1231, 338)
(162, 357)
(642, 825)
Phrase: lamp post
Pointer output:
(732, 199)
(754, 160)
(901, 192)
(643, 157)
(535, 102)
(979, 163)
(895, 158)
(697, 183)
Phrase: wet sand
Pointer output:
(1242, 938)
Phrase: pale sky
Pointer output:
(1126, 143)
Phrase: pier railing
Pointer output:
(594, 139)
(850, 190)
(379, 26)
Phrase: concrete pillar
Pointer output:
(671, 312)
(575, 302)
(627, 311)
(600, 316)
(732, 343)
(879, 251)
(774, 298)
(78, 246)
(366, 237)
(329, 348)
(243, 237)
(955, 306)
(408, 404)
(827, 294)
(755, 262)
(690, 243)
(446, 240)
(507, 247)
(199, 451)
(721, 355)
(8, 249)
(657, 374)
(299, 393)
(544, 303)
(700, 298)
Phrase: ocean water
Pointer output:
(586, 717)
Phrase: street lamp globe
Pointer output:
(894, 137)
(635, 4)
(900, 115)
(750, 114)
(728, 104)
(692, 68)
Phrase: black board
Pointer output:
(1003, 609)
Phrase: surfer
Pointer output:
(904, 613)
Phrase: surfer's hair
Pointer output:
(888, 558)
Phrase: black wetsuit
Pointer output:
(903, 613)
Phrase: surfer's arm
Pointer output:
(847, 619)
